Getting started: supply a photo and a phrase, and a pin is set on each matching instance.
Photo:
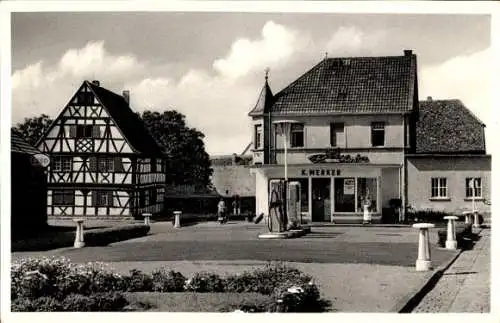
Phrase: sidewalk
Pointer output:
(465, 286)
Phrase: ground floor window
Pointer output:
(473, 187)
(63, 197)
(367, 194)
(102, 198)
(439, 187)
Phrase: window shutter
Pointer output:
(94, 198)
(93, 164)
(72, 131)
(96, 131)
(110, 198)
(118, 164)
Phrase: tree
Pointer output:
(187, 161)
(31, 129)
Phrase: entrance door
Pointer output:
(344, 194)
(321, 202)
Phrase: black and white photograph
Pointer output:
(245, 158)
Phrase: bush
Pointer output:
(265, 280)
(204, 282)
(299, 298)
(138, 282)
(165, 280)
(41, 304)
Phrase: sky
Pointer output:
(210, 66)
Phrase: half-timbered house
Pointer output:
(104, 162)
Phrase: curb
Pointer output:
(410, 301)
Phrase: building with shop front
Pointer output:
(350, 131)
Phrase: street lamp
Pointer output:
(283, 128)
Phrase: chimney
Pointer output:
(408, 52)
(429, 98)
(126, 96)
(96, 82)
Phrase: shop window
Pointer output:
(367, 194)
(473, 187)
(378, 134)
(297, 135)
(439, 187)
(336, 134)
(258, 136)
(63, 197)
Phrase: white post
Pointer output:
(177, 215)
(366, 214)
(476, 220)
(451, 241)
(285, 143)
(423, 262)
(147, 217)
(79, 243)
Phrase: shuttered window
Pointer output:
(96, 131)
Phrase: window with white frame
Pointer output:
(473, 187)
(297, 135)
(439, 187)
(336, 134)
(378, 134)
(258, 136)
(63, 197)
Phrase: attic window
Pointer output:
(342, 94)
(85, 98)
(347, 62)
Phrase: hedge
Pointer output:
(92, 237)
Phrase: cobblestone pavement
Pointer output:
(465, 286)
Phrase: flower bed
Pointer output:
(55, 284)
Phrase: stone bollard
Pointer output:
(476, 220)
(467, 217)
(79, 243)
(451, 240)
(147, 218)
(423, 262)
(177, 215)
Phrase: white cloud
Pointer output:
(353, 41)
(467, 78)
(275, 47)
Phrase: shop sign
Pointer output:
(348, 186)
(320, 172)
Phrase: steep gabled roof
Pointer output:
(448, 127)
(19, 145)
(132, 127)
(351, 85)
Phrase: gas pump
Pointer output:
(293, 206)
(284, 206)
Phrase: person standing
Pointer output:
(221, 210)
